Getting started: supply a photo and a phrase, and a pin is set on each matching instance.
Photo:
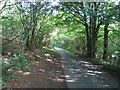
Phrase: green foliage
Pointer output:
(48, 51)
(71, 38)
(71, 34)
(19, 61)
(12, 64)
(36, 25)
(7, 75)
(33, 23)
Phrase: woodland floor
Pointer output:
(46, 73)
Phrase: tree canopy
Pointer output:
(87, 28)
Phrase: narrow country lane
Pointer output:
(82, 74)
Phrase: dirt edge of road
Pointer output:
(46, 72)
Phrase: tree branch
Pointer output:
(5, 2)
(10, 40)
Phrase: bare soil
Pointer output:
(46, 72)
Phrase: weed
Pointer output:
(10, 64)
(47, 50)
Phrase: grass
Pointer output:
(71, 49)
(48, 50)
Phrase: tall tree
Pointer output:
(91, 15)
(33, 17)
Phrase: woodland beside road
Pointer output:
(31, 30)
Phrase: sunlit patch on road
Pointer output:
(82, 74)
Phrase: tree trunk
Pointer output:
(93, 38)
(88, 42)
(105, 52)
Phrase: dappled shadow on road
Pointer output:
(80, 73)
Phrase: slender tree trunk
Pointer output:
(105, 52)
(34, 20)
(93, 40)
(90, 37)
(88, 42)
